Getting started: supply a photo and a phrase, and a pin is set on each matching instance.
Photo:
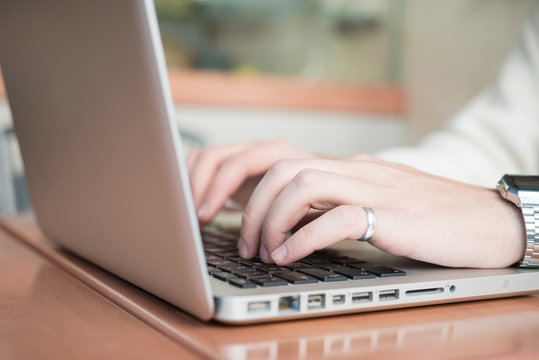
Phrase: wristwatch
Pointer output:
(523, 191)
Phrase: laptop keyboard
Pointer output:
(225, 263)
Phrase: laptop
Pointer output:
(88, 90)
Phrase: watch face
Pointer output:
(524, 182)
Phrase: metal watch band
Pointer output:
(531, 222)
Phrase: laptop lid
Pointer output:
(80, 75)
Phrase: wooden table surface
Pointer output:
(45, 313)
(56, 305)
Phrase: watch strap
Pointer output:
(531, 223)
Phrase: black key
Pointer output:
(345, 260)
(219, 263)
(212, 269)
(234, 268)
(296, 277)
(227, 253)
(252, 262)
(387, 272)
(250, 274)
(234, 258)
(323, 275)
(298, 265)
(330, 267)
(269, 280)
(213, 257)
(366, 266)
(355, 274)
(227, 248)
(242, 283)
(271, 269)
(316, 255)
(222, 275)
(325, 253)
(315, 261)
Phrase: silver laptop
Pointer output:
(88, 89)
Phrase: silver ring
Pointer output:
(372, 222)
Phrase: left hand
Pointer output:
(420, 216)
(233, 171)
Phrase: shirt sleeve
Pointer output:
(496, 133)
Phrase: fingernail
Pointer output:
(264, 253)
(242, 246)
(202, 211)
(279, 254)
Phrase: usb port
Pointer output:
(315, 302)
(361, 297)
(289, 303)
(338, 299)
(258, 307)
(392, 294)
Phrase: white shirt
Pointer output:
(497, 133)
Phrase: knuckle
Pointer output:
(279, 168)
(224, 173)
(206, 155)
(305, 178)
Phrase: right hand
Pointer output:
(233, 171)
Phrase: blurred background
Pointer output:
(337, 77)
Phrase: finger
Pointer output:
(311, 189)
(228, 177)
(280, 174)
(242, 195)
(235, 170)
(192, 158)
(310, 216)
(340, 223)
(203, 169)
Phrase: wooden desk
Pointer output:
(47, 314)
(55, 305)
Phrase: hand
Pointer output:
(420, 216)
(233, 171)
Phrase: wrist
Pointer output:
(511, 234)
(522, 192)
